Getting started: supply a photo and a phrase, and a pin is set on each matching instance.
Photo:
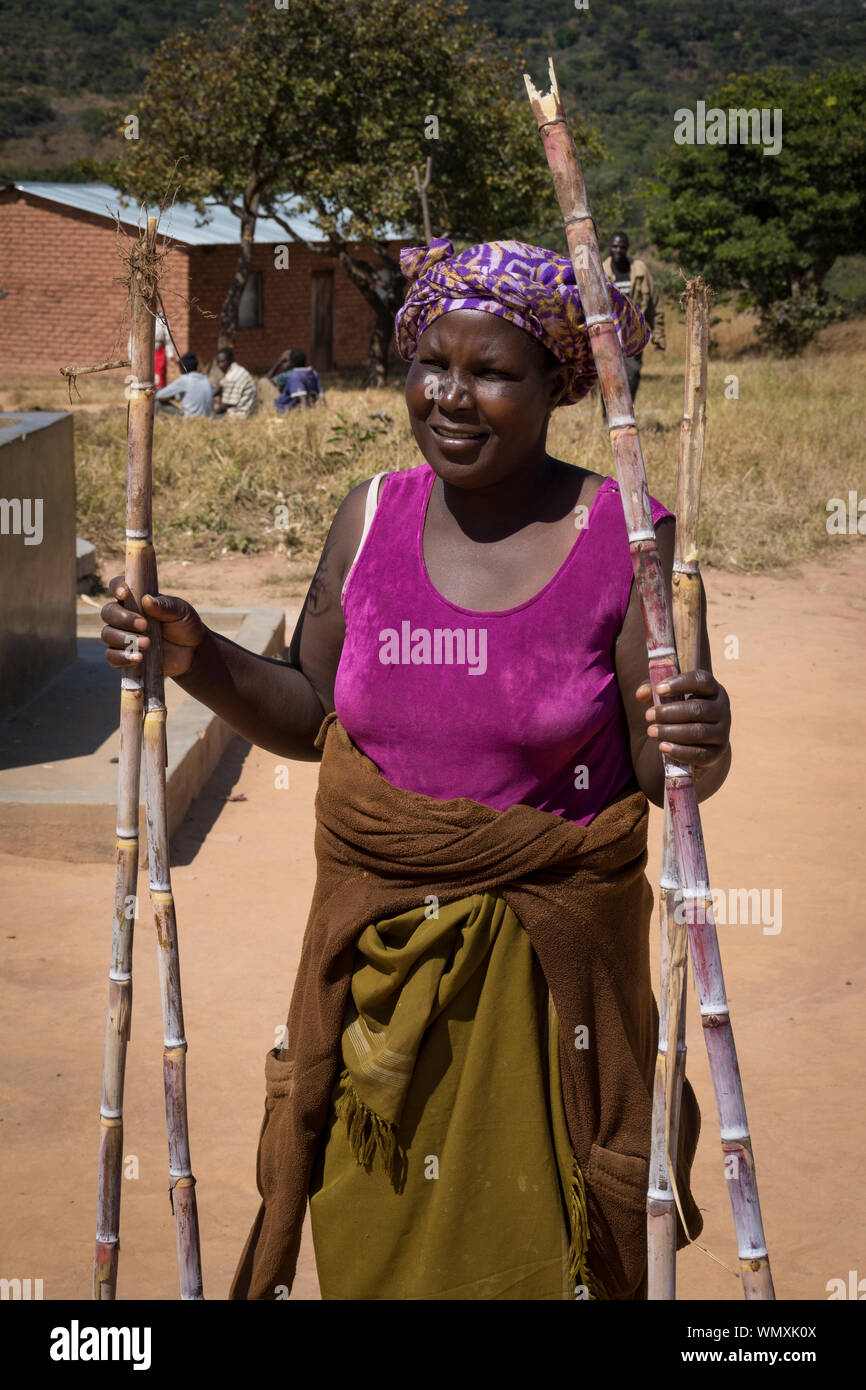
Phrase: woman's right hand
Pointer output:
(183, 630)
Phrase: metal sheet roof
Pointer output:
(182, 222)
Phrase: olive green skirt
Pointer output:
(445, 1169)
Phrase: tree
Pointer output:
(771, 225)
(218, 119)
(418, 80)
(333, 105)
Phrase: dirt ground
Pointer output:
(790, 817)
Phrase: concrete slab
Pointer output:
(37, 553)
(85, 559)
(58, 754)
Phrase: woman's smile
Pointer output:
(458, 439)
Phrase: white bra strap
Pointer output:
(370, 509)
(369, 513)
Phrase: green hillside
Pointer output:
(628, 66)
(59, 66)
(100, 46)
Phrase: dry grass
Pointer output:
(774, 456)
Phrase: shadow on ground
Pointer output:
(202, 814)
(70, 718)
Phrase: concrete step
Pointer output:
(58, 754)
(85, 565)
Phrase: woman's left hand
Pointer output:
(694, 730)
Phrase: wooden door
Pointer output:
(322, 317)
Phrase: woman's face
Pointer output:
(479, 393)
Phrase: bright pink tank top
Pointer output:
(517, 706)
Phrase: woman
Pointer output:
(465, 1092)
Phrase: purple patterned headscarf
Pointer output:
(532, 288)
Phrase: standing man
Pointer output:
(236, 394)
(633, 278)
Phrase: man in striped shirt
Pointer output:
(236, 394)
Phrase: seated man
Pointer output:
(279, 373)
(236, 394)
(302, 385)
(192, 389)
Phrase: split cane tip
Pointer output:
(547, 104)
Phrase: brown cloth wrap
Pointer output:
(582, 895)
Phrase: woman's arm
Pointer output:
(271, 703)
(276, 704)
(694, 730)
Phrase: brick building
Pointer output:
(62, 300)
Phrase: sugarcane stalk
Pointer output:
(181, 1180)
(694, 893)
(144, 691)
(667, 1084)
(119, 1011)
(141, 408)
(673, 979)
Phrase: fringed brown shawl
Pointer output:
(583, 897)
